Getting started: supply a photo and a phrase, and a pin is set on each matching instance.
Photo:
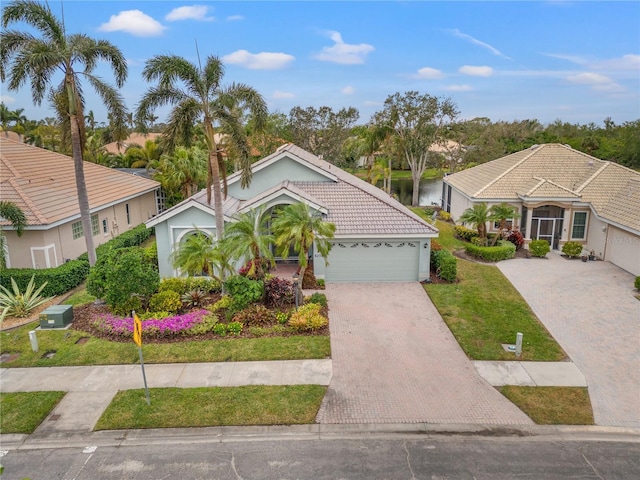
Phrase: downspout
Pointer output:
(606, 241)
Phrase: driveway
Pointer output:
(395, 361)
(591, 311)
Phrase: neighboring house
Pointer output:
(376, 239)
(42, 183)
(563, 195)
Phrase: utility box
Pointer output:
(56, 316)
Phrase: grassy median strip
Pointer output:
(552, 405)
(22, 412)
(96, 351)
(213, 406)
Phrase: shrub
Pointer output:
(234, 328)
(539, 248)
(225, 302)
(131, 304)
(194, 298)
(446, 216)
(220, 329)
(20, 304)
(503, 251)
(206, 325)
(174, 284)
(283, 317)
(516, 238)
(572, 249)
(260, 331)
(479, 242)
(319, 298)
(465, 233)
(248, 267)
(444, 264)
(157, 327)
(279, 292)
(435, 245)
(308, 318)
(59, 280)
(244, 291)
(255, 315)
(206, 284)
(155, 315)
(320, 282)
(637, 283)
(167, 301)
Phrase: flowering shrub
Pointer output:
(516, 238)
(308, 317)
(175, 325)
(234, 328)
(283, 317)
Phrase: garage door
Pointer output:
(623, 250)
(373, 262)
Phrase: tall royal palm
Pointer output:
(196, 94)
(26, 57)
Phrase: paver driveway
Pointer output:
(591, 311)
(395, 361)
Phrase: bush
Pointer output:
(224, 303)
(194, 298)
(206, 284)
(539, 248)
(174, 284)
(319, 298)
(20, 303)
(220, 329)
(247, 267)
(503, 251)
(572, 249)
(155, 315)
(435, 245)
(479, 242)
(206, 325)
(516, 238)
(637, 283)
(279, 292)
(446, 216)
(465, 233)
(59, 279)
(244, 291)
(255, 315)
(444, 264)
(308, 318)
(234, 328)
(167, 301)
(283, 317)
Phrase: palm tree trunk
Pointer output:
(81, 186)
(213, 180)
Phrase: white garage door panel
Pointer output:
(624, 250)
(373, 262)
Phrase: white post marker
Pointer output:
(34, 340)
(137, 338)
(518, 344)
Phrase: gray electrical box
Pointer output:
(56, 316)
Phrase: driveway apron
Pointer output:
(396, 361)
(590, 309)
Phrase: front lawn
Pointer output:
(22, 412)
(217, 406)
(552, 405)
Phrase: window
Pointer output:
(95, 229)
(579, 225)
(126, 207)
(76, 230)
(105, 226)
(508, 224)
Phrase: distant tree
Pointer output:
(16, 217)
(417, 121)
(28, 58)
(365, 142)
(181, 173)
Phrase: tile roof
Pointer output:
(557, 171)
(134, 139)
(42, 183)
(354, 206)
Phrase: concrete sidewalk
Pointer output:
(531, 374)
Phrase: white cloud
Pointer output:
(477, 71)
(134, 22)
(475, 41)
(626, 62)
(7, 99)
(428, 73)
(570, 58)
(348, 90)
(194, 12)
(234, 18)
(596, 81)
(344, 53)
(259, 61)
(458, 88)
(278, 94)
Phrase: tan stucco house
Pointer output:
(563, 195)
(42, 183)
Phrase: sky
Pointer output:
(577, 61)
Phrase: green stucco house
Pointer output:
(377, 239)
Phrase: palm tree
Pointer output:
(501, 213)
(141, 157)
(28, 58)
(478, 216)
(248, 237)
(195, 93)
(11, 212)
(296, 226)
(184, 171)
(197, 255)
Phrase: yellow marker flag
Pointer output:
(137, 330)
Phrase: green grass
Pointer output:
(22, 412)
(484, 310)
(552, 405)
(79, 298)
(102, 352)
(206, 407)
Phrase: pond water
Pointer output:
(430, 191)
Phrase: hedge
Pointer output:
(72, 273)
(465, 233)
(444, 264)
(539, 248)
(503, 251)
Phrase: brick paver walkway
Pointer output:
(591, 311)
(395, 361)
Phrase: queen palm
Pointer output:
(16, 217)
(296, 226)
(248, 238)
(196, 93)
(478, 216)
(25, 57)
